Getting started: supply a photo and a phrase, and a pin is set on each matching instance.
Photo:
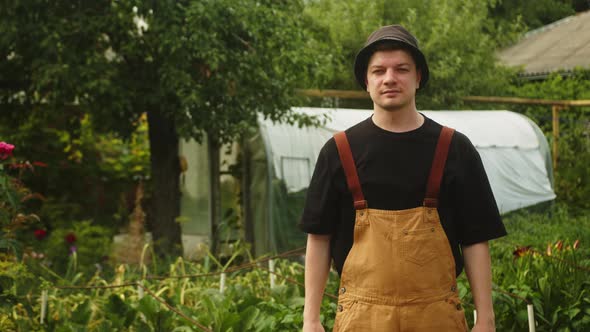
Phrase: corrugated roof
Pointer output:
(560, 46)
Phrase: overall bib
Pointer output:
(400, 272)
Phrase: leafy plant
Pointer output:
(13, 196)
(544, 260)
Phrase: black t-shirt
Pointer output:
(393, 169)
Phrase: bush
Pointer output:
(572, 179)
(90, 242)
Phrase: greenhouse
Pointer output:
(265, 198)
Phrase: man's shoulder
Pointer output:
(461, 143)
(360, 128)
(459, 139)
(353, 133)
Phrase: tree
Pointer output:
(195, 67)
(533, 13)
(451, 33)
(572, 178)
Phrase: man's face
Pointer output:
(392, 79)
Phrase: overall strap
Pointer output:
(352, 178)
(438, 167)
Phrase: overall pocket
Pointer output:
(420, 246)
(428, 266)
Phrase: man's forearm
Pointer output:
(479, 273)
(317, 267)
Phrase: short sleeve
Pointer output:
(478, 218)
(321, 210)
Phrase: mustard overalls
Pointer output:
(400, 272)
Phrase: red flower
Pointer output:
(559, 245)
(521, 251)
(576, 244)
(25, 164)
(5, 150)
(39, 164)
(40, 234)
(70, 238)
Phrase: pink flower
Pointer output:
(70, 238)
(5, 150)
(40, 234)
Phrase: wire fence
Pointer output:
(222, 273)
(259, 264)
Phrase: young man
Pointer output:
(400, 204)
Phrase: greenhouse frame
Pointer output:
(263, 200)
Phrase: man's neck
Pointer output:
(398, 121)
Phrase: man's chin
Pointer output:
(392, 107)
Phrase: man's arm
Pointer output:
(478, 268)
(317, 268)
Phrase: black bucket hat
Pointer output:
(395, 33)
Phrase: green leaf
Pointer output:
(82, 313)
(13, 245)
(148, 306)
(573, 312)
(522, 316)
(296, 302)
(183, 329)
(248, 317)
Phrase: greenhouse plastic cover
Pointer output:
(514, 151)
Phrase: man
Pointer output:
(400, 204)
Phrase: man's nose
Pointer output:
(389, 77)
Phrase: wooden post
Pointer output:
(555, 110)
(247, 194)
(328, 93)
(214, 192)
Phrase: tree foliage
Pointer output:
(211, 67)
(532, 13)
(195, 67)
(451, 33)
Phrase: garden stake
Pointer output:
(531, 313)
(271, 267)
(140, 289)
(222, 283)
(43, 305)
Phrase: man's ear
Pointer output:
(366, 84)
